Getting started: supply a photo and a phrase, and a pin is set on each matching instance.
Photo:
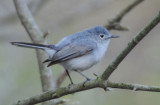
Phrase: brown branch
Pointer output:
(37, 37)
(115, 22)
(61, 78)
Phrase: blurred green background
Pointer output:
(19, 76)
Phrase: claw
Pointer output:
(86, 81)
(70, 85)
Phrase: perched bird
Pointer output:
(76, 52)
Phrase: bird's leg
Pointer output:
(87, 79)
(69, 77)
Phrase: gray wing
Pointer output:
(72, 51)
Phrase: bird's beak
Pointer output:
(114, 36)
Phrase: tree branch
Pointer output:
(113, 24)
(37, 37)
(134, 87)
(98, 83)
(130, 46)
(102, 81)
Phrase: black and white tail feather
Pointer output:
(49, 49)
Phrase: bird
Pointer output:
(76, 52)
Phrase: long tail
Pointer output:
(31, 45)
(49, 49)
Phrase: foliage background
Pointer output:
(19, 76)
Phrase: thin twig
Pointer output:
(134, 87)
(114, 23)
(61, 78)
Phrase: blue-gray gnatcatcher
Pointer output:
(76, 52)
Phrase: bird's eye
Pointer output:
(101, 36)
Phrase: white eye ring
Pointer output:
(101, 36)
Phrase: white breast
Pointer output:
(80, 63)
(99, 54)
(85, 62)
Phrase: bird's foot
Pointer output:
(87, 79)
(70, 85)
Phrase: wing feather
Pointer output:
(70, 52)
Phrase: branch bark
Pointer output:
(98, 83)
(37, 37)
(101, 82)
